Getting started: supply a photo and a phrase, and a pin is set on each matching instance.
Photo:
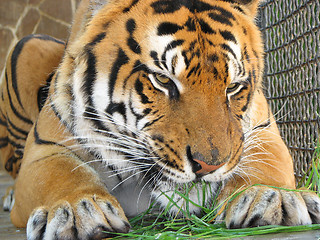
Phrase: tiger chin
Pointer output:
(145, 97)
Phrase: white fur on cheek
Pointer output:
(180, 66)
(234, 61)
(101, 92)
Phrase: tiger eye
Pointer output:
(232, 87)
(162, 79)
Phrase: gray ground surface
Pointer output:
(9, 232)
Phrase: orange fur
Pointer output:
(220, 126)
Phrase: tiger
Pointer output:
(145, 97)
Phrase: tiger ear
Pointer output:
(251, 5)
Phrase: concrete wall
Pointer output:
(19, 18)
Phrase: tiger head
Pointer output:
(164, 85)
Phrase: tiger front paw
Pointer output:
(260, 206)
(88, 218)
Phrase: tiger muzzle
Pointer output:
(199, 166)
(206, 168)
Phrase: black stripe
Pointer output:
(174, 64)
(152, 122)
(24, 119)
(264, 125)
(190, 24)
(166, 6)
(115, 170)
(134, 45)
(194, 70)
(215, 72)
(131, 25)
(193, 45)
(89, 77)
(220, 18)
(41, 141)
(228, 36)
(245, 107)
(3, 145)
(246, 54)
(121, 60)
(198, 6)
(175, 5)
(226, 75)
(55, 111)
(134, 2)
(90, 73)
(97, 39)
(138, 66)
(4, 142)
(116, 107)
(131, 42)
(253, 76)
(18, 130)
(170, 46)
(46, 38)
(186, 60)
(14, 59)
(155, 58)
(16, 145)
(139, 89)
(9, 164)
(222, 15)
(147, 111)
(15, 55)
(137, 115)
(243, 2)
(227, 48)
(43, 92)
(239, 9)
(3, 123)
(169, 162)
(4, 139)
(92, 115)
(69, 124)
(205, 27)
(167, 28)
(3, 119)
(191, 72)
(213, 58)
(18, 154)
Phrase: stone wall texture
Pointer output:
(19, 18)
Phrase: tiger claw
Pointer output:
(8, 199)
(259, 206)
(87, 219)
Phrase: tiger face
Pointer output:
(153, 99)
(164, 88)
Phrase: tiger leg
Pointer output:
(56, 193)
(267, 161)
(28, 73)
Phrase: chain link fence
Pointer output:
(291, 30)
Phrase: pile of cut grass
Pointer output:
(155, 224)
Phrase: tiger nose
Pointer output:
(204, 168)
(199, 166)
